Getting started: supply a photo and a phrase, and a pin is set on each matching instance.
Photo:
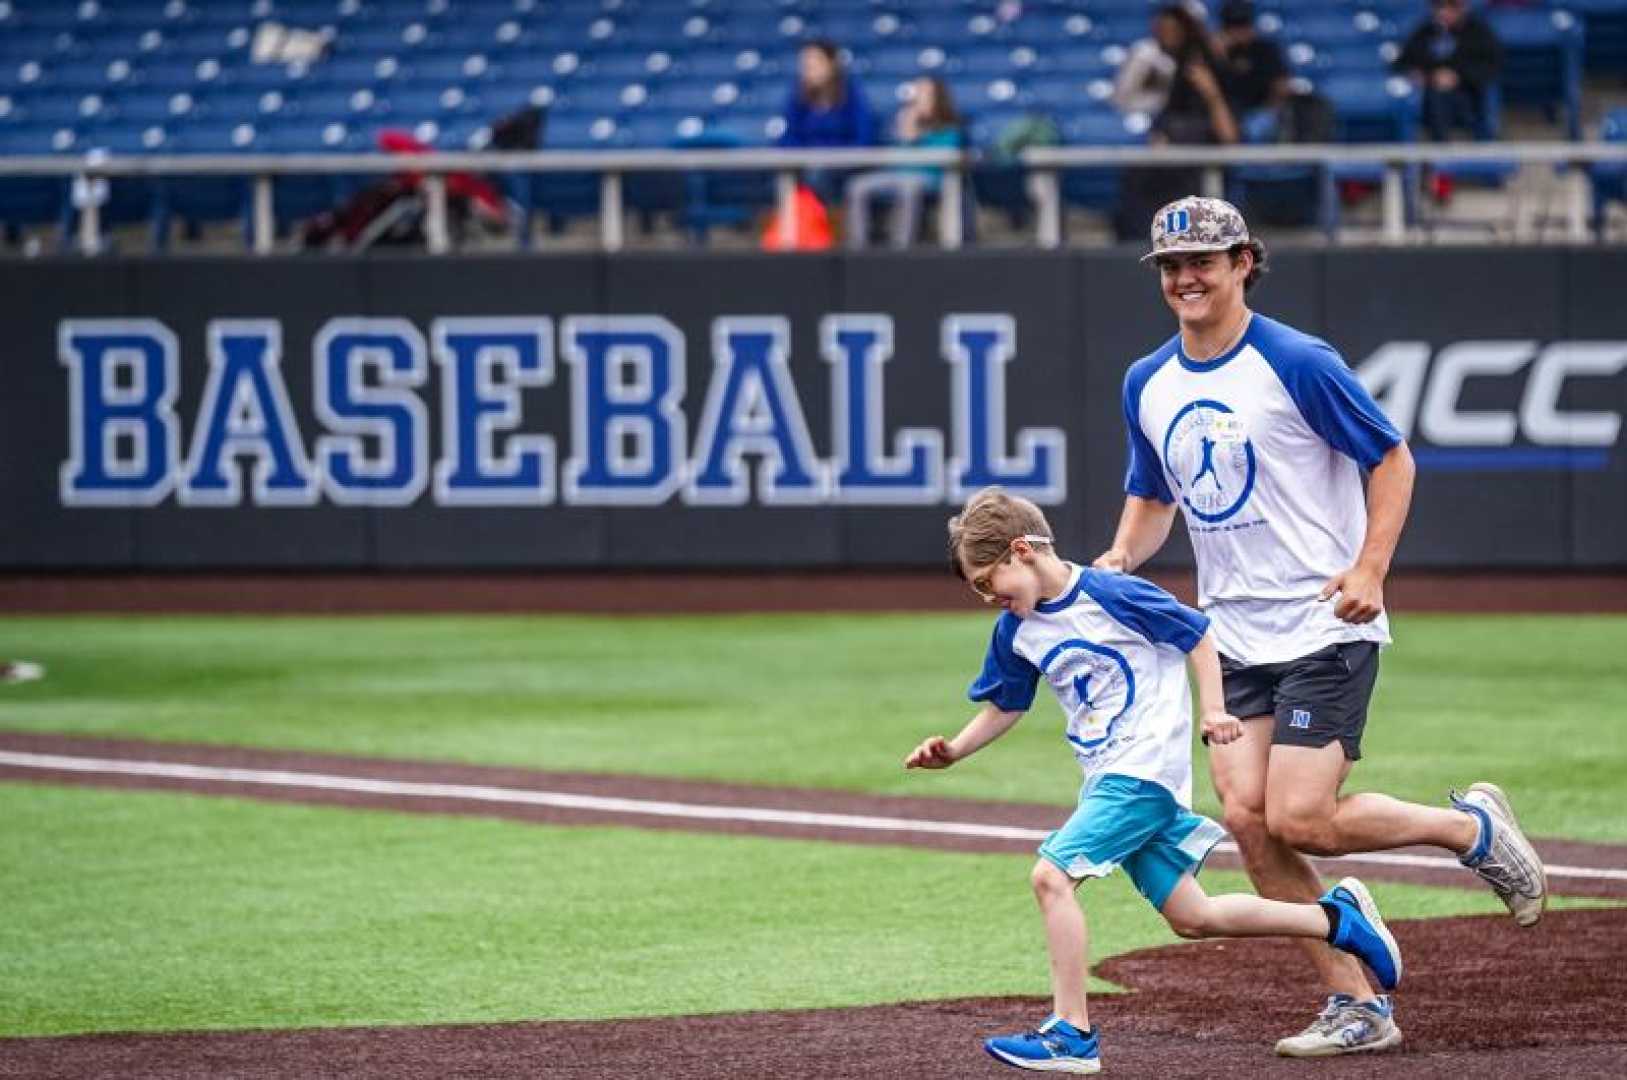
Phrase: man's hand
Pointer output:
(1220, 727)
(1361, 594)
(933, 753)
(1113, 560)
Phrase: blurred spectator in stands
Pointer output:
(1194, 112)
(1455, 56)
(1172, 75)
(1144, 80)
(928, 119)
(1253, 71)
(826, 108)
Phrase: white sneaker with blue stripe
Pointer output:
(1054, 1046)
(1502, 856)
(1346, 1026)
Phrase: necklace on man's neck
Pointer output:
(1237, 335)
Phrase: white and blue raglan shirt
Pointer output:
(1113, 647)
(1263, 447)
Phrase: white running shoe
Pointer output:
(1503, 857)
(1346, 1026)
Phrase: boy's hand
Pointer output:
(1220, 727)
(933, 753)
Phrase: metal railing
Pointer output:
(1045, 166)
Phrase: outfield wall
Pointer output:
(658, 411)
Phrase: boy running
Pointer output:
(1112, 648)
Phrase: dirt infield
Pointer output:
(1482, 1000)
(1481, 997)
(691, 592)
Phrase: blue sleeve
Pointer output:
(1007, 681)
(1147, 609)
(864, 119)
(795, 112)
(1335, 403)
(1144, 476)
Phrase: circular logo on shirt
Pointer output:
(1094, 684)
(1208, 454)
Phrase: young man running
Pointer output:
(1291, 563)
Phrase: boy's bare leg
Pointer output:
(1192, 913)
(1277, 871)
(1305, 811)
(1066, 939)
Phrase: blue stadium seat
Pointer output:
(644, 66)
(746, 128)
(954, 29)
(561, 197)
(211, 198)
(1485, 173)
(893, 62)
(33, 200)
(1098, 188)
(1609, 178)
(701, 98)
(1122, 29)
(351, 106)
(1363, 58)
(55, 110)
(997, 59)
(154, 107)
(1334, 30)
(229, 105)
(355, 72)
(1542, 62)
(1604, 47)
(721, 64)
(1062, 96)
(18, 45)
(978, 95)
(442, 104)
(711, 199)
(1372, 109)
(133, 198)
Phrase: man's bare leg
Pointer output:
(1278, 872)
(1305, 811)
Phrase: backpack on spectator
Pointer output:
(1035, 129)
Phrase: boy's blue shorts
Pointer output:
(1136, 824)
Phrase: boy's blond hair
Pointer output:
(985, 527)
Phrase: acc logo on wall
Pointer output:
(1208, 454)
(1431, 395)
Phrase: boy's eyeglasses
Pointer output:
(980, 581)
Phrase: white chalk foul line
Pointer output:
(648, 807)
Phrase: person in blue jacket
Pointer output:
(826, 107)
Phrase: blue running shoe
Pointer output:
(1054, 1046)
(1360, 930)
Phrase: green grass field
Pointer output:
(146, 911)
(814, 700)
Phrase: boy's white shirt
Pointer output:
(1113, 649)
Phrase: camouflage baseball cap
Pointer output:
(1196, 224)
